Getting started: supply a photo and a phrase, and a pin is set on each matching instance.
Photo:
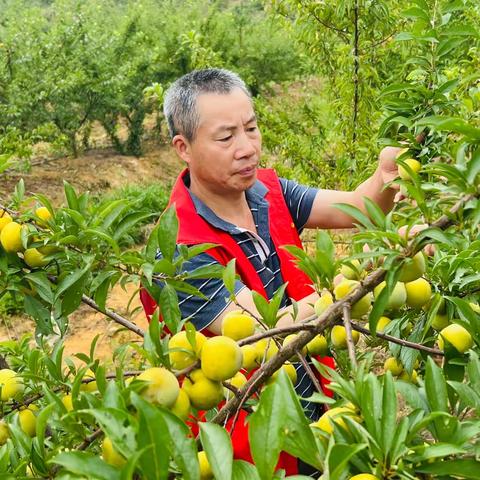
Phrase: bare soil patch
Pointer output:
(97, 172)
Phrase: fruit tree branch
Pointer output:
(328, 318)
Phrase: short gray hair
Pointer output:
(180, 101)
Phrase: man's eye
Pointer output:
(225, 139)
(251, 129)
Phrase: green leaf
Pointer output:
(40, 314)
(263, 307)
(85, 464)
(462, 468)
(339, 456)
(154, 438)
(451, 124)
(195, 250)
(417, 13)
(167, 233)
(210, 271)
(325, 245)
(70, 195)
(473, 370)
(180, 444)
(113, 422)
(371, 405)
(112, 396)
(151, 248)
(107, 212)
(169, 307)
(398, 447)
(453, 6)
(72, 297)
(375, 212)
(76, 216)
(437, 396)
(244, 471)
(128, 470)
(128, 222)
(70, 280)
(466, 393)
(266, 433)
(94, 234)
(441, 450)
(101, 292)
(473, 167)
(218, 447)
(183, 447)
(275, 303)
(320, 397)
(356, 214)
(389, 413)
(435, 234)
(229, 276)
(44, 200)
(299, 438)
(403, 36)
(42, 420)
(463, 31)
(436, 387)
(162, 265)
(181, 286)
(379, 306)
(152, 342)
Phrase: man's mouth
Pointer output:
(247, 170)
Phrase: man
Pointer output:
(224, 198)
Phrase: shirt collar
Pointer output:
(255, 195)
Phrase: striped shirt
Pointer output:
(259, 249)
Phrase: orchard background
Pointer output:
(81, 88)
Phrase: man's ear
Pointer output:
(182, 147)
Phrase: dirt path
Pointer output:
(85, 324)
(97, 172)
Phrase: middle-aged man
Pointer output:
(224, 198)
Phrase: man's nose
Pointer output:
(245, 146)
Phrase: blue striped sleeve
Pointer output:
(197, 310)
(299, 200)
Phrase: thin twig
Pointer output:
(379, 42)
(356, 68)
(256, 317)
(8, 210)
(322, 22)
(114, 316)
(298, 327)
(310, 372)
(398, 341)
(91, 438)
(348, 330)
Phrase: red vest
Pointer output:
(193, 230)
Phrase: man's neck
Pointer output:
(232, 207)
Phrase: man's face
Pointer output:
(224, 155)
